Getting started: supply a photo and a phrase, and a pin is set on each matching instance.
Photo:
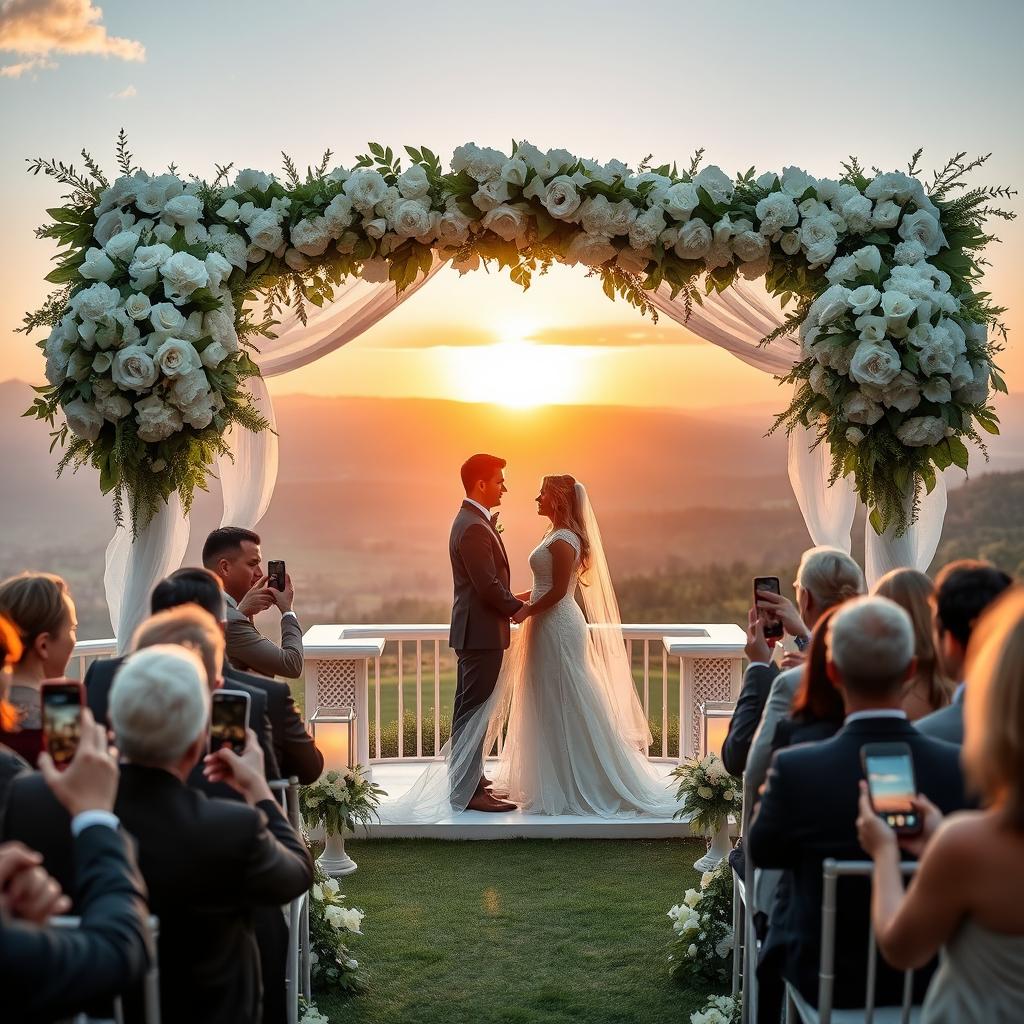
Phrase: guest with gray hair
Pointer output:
(809, 806)
(208, 863)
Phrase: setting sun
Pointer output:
(518, 374)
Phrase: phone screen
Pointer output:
(891, 785)
(772, 625)
(62, 720)
(275, 574)
(228, 719)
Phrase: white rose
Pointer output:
(177, 357)
(909, 253)
(818, 238)
(137, 306)
(937, 355)
(366, 188)
(775, 212)
(819, 379)
(841, 270)
(218, 270)
(101, 362)
(864, 299)
(246, 180)
(858, 408)
(795, 182)
(311, 237)
(219, 324)
(166, 318)
(264, 230)
(79, 365)
(150, 197)
(183, 274)
(857, 214)
(830, 305)
(924, 228)
(644, 231)
(507, 222)
(190, 388)
(413, 182)
(750, 246)
(869, 258)
(632, 262)
(111, 223)
(375, 228)
(885, 214)
(184, 210)
(410, 219)
(112, 407)
(338, 213)
(976, 393)
(591, 250)
(937, 390)
(134, 369)
(921, 431)
(902, 392)
(514, 171)
(97, 266)
(561, 199)
(83, 420)
(96, 302)
(122, 245)
(694, 240)
(875, 362)
(680, 200)
(213, 355)
(716, 183)
(146, 261)
(961, 374)
(481, 164)
(898, 309)
(157, 420)
(855, 435)
(790, 243)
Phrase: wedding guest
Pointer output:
(48, 973)
(233, 555)
(967, 897)
(826, 577)
(11, 762)
(928, 689)
(40, 608)
(808, 809)
(208, 863)
(963, 590)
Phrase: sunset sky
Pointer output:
(766, 84)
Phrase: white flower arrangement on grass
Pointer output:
(340, 800)
(146, 361)
(717, 1010)
(707, 792)
(331, 923)
(701, 948)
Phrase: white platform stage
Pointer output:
(397, 777)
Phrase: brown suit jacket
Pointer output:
(249, 650)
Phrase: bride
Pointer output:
(570, 732)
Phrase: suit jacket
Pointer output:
(46, 973)
(249, 650)
(757, 681)
(776, 708)
(483, 603)
(808, 812)
(99, 678)
(945, 724)
(208, 864)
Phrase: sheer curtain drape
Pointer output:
(736, 320)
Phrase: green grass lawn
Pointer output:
(517, 932)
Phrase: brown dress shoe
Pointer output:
(483, 801)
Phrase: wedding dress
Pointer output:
(564, 717)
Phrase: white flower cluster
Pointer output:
(718, 1010)
(692, 923)
(312, 1015)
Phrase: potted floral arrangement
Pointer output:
(338, 801)
(709, 794)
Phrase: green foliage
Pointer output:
(701, 947)
(340, 801)
(707, 792)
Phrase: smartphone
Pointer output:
(62, 719)
(772, 624)
(275, 574)
(889, 769)
(229, 716)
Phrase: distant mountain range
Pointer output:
(367, 488)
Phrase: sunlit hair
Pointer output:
(188, 626)
(159, 704)
(35, 603)
(993, 751)
(871, 643)
(816, 698)
(567, 514)
(10, 654)
(913, 591)
(830, 576)
(479, 467)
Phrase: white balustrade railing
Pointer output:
(86, 652)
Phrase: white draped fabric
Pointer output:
(735, 320)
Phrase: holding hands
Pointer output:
(523, 613)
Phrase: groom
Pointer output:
(481, 612)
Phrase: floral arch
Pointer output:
(176, 296)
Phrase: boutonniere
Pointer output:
(498, 528)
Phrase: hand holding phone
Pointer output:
(772, 624)
(229, 717)
(62, 701)
(276, 574)
(892, 790)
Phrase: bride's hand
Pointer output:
(523, 613)
(524, 596)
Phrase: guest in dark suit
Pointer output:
(48, 973)
(233, 555)
(295, 752)
(208, 864)
(481, 613)
(809, 805)
(963, 590)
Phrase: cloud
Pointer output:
(614, 335)
(34, 64)
(125, 94)
(38, 29)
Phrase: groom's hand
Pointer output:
(522, 613)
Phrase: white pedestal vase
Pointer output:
(334, 860)
(719, 849)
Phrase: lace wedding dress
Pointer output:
(567, 749)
